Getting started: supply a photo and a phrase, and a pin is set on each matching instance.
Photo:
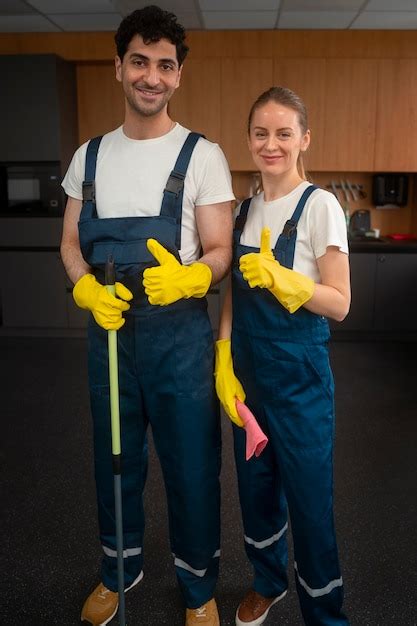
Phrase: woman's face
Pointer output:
(276, 139)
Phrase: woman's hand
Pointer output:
(261, 269)
(228, 387)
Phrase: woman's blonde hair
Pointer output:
(286, 97)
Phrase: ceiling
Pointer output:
(105, 15)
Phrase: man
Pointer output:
(170, 236)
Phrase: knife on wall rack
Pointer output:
(355, 189)
(345, 191)
(352, 190)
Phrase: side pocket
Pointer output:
(318, 359)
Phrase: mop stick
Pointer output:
(110, 280)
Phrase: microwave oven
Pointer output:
(31, 189)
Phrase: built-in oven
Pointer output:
(31, 189)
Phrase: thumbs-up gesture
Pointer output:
(261, 269)
(170, 280)
(255, 266)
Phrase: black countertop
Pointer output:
(383, 244)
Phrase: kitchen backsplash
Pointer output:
(388, 221)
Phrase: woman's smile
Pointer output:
(271, 159)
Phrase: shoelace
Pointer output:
(201, 612)
(102, 595)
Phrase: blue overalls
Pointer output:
(165, 379)
(282, 362)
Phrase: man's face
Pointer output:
(149, 74)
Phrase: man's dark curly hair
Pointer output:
(153, 24)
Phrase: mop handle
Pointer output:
(110, 280)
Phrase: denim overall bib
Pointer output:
(165, 379)
(282, 362)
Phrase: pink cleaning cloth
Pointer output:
(256, 439)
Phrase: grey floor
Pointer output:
(50, 551)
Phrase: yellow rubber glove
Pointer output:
(171, 281)
(228, 387)
(106, 309)
(261, 269)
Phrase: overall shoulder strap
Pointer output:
(174, 188)
(285, 246)
(241, 219)
(89, 209)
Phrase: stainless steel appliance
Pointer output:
(360, 223)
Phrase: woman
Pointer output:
(278, 335)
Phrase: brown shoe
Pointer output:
(101, 605)
(254, 608)
(205, 615)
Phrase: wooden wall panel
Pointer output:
(71, 46)
(387, 220)
(396, 136)
(350, 112)
(345, 44)
(100, 100)
(241, 83)
(371, 44)
(234, 43)
(197, 102)
(307, 78)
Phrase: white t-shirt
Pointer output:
(322, 224)
(131, 176)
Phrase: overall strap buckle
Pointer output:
(89, 191)
(175, 183)
(290, 227)
(89, 186)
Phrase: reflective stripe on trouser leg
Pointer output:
(321, 605)
(264, 513)
(197, 584)
(302, 434)
(184, 417)
(134, 452)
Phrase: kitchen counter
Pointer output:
(383, 244)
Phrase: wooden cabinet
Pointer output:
(396, 120)
(100, 100)
(340, 96)
(33, 293)
(383, 298)
(395, 293)
(361, 111)
(362, 278)
(349, 115)
(77, 318)
(197, 102)
(242, 81)
(38, 109)
(36, 295)
(307, 77)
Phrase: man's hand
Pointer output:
(171, 281)
(106, 308)
(261, 269)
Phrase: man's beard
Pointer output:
(148, 110)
